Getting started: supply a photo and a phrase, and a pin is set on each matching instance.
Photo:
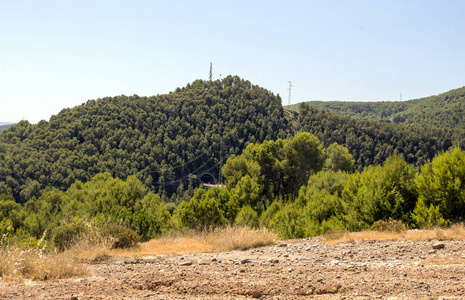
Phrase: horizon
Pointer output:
(2, 122)
(58, 55)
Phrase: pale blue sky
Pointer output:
(57, 54)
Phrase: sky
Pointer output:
(59, 54)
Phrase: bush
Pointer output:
(123, 237)
(207, 209)
(389, 226)
(441, 187)
(247, 216)
(64, 236)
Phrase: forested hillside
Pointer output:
(129, 167)
(166, 141)
(372, 142)
(446, 110)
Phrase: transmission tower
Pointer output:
(289, 89)
(210, 71)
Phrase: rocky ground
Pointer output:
(296, 269)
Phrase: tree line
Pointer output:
(446, 110)
(373, 142)
(294, 186)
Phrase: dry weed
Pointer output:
(455, 232)
(218, 240)
(36, 264)
(239, 238)
(91, 248)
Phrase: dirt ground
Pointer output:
(295, 269)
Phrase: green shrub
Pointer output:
(207, 209)
(441, 187)
(288, 222)
(247, 216)
(267, 216)
(427, 217)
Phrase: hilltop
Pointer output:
(446, 110)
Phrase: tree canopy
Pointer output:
(446, 110)
(164, 140)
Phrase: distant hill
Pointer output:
(371, 142)
(446, 110)
(4, 126)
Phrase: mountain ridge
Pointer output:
(445, 110)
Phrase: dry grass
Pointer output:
(36, 264)
(91, 249)
(455, 232)
(218, 240)
(240, 238)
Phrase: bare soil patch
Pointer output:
(294, 269)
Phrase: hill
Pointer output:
(5, 126)
(371, 142)
(446, 110)
(169, 141)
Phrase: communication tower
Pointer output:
(210, 71)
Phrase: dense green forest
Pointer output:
(166, 141)
(130, 166)
(293, 186)
(372, 142)
(446, 110)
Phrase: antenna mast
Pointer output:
(210, 71)
(289, 89)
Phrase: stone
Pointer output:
(334, 262)
(256, 294)
(282, 245)
(438, 246)
(201, 262)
